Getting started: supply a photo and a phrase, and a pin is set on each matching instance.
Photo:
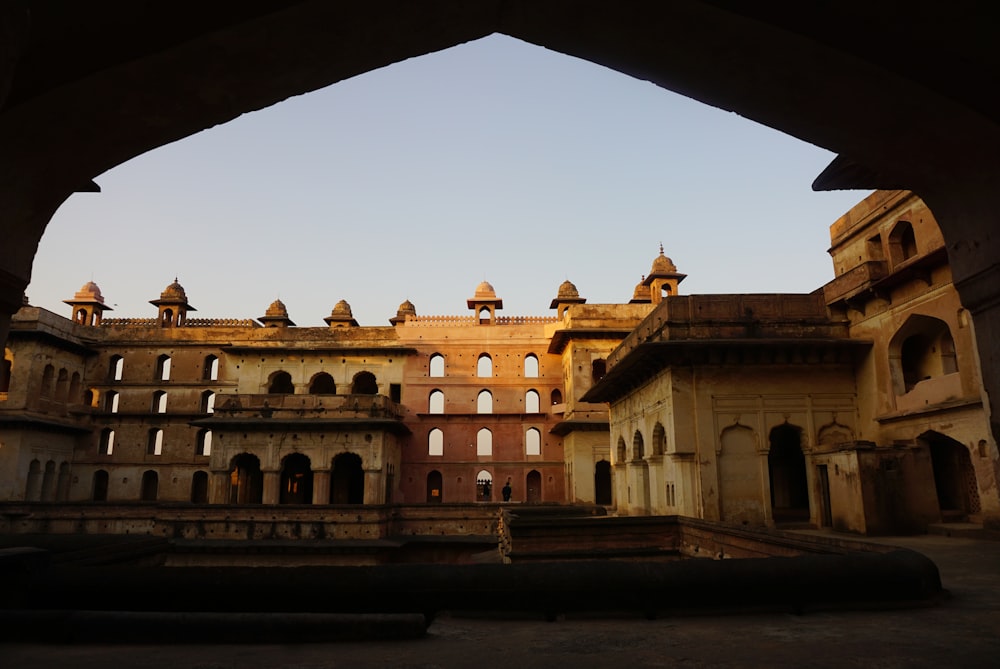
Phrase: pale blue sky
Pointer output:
(493, 160)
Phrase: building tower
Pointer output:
(485, 303)
(276, 316)
(663, 279)
(88, 305)
(567, 296)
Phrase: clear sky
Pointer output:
(495, 160)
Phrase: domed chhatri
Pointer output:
(276, 316)
(663, 279)
(641, 293)
(566, 296)
(88, 305)
(485, 303)
(173, 305)
(406, 308)
(341, 316)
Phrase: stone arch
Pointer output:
(484, 486)
(659, 444)
(364, 383)
(786, 466)
(533, 487)
(556, 396)
(531, 366)
(741, 493)
(435, 487)
(834, 433)
(199, 487)
(436, 365)
(246, 481)
(48, 374)
(621, 455)
(322, 384)
(484, 366)
(435, 401)
(347, 480)
(210, 368)
(902, 243)
(49, 482)
(921, 349)
(296, 480)
(150, 486)
(280, 383)
(33, 482)
(638, 447)
(954, 476)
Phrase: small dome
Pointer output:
(568, 291)
(277, 310)
(641, 291)
(342, 308)
(89, 291)
(406, 309)
(485, 290)
(173, 291)
(662, 264)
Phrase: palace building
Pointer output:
(857, 406)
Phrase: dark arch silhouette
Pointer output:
(602, 482)
(322, 384)
(364, 384)
(246, 481)
(347, 480)
(296, 480)
(786, 466)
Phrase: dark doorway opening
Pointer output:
(296, 480)
(786, 466)
(435, 488)
(246, 482)
(150, 486)
(533, 487)
(347, 482)
(100, 486)
(199, 488)
(602, 483)
(954, 477)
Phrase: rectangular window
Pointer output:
(155, 445)
(396, 392)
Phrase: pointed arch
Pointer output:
(484, 366)
(532, 401)
(435, 487)
(296, 480)
(322, 384)
(246, 481)
(436, 366)
(280, 383)
(484, 442)
(364, 383)
(435, 402)
(347, 480)
(531, 366)
(484, 402)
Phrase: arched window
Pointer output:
(246, 481)
(532, 402)
(902, 243)
(281, 384)
(556, 396)
(484, 486)
(150, 486)
(484, 366)
(435, 442)
(154, 443)
(107, 443)
(530, 366)
(199, 488)
(111, 400)
(533, 441)
(296, 480)
(203, 445)
(48, 374)
(437, 365)
(921, 349)
(116, 367)
(163, 368)
(484, 442)
(33, 484)
(49, 482)
(659, 440)
(210, 370)
(62, 385)
(347, 480)
(638, 446)
(159, 402)
(435, 403)
(322, 384)
(74, 388)
(208, 402)
(364, 384)
(620, 455)
(533, 487)
(598, 369)
(484, 403)
(100, 488)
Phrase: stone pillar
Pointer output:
(374, 487)
(321, 487)
(218, 490)
(272, 485)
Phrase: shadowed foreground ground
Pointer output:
(963, 631)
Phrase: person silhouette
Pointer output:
(506, 490)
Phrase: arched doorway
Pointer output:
(435, 488)
(199, 488)
(150, 486)
(296, 480)
(786, 467)
(246, 482)
(533, 487)
(602, 482)
(347, 481)
(364, 384)
(954, 477)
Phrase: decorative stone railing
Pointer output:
(306, 406)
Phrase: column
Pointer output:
(272, 485)
(321, 487)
